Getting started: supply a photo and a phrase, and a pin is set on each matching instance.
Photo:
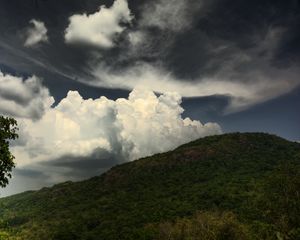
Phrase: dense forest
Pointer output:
(231, 186)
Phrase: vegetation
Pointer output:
(232, 186)
(205, 226)
(8, 131)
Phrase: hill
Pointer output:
(231, 186)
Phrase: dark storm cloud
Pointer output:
(82, 167)
(217, 33)
(288, 52)
(28, 172)
(226, 28)
(68, 167)
(209, 41)
(218, 24)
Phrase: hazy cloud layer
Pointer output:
(257, 86)
(36, 33)
(100, 28)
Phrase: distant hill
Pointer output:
(231, 186)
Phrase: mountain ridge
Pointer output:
(220, 176)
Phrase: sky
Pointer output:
(96, 83)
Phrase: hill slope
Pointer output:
(232, 186)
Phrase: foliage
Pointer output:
(239, 186)
(8, 131)
(205, 226)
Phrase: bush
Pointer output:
(204, 226)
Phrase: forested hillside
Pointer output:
(231, 186)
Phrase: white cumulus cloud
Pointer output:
(142, 125)
(99, 29)
(36, 33)
(23, 98)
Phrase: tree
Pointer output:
(8, 131)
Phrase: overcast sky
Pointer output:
(96, 83)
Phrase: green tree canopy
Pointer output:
(8, 131)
